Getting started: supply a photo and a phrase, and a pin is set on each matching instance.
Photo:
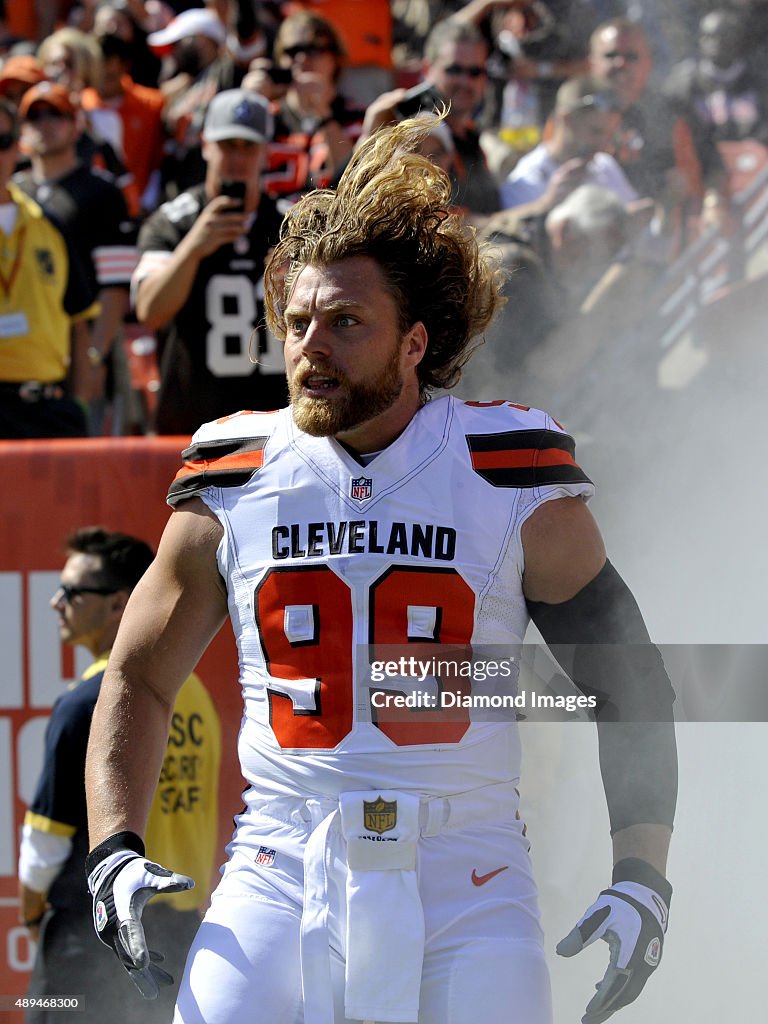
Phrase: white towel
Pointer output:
(385, 919)
(316, 985)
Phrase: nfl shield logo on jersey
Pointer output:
(265, 856)
(379, 815)
(361, 488)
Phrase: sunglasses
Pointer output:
(7, 140)
(69, 592)
(631, 56)
(37, 114)
(472, 70)
(308, 49)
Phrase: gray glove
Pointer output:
(122, 882)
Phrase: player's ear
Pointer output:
(415, 343)
(118, 601)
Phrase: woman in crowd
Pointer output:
(315, 126)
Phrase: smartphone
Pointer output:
(280, 76)
(235, 190)
(422, 97)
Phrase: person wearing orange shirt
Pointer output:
(137, 116)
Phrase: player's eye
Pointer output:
(345, 320)
(296, 325)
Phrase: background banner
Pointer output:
(49, 489)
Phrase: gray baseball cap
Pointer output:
(238, 114)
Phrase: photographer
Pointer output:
(198, 283)
(315, 127)
(454, 74)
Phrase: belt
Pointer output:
(31, 390)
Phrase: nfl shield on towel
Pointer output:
(361, 488)
(379, 815)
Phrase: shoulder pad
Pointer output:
(223, 453)
(525, 458)
(221, 463)
(519, 447)
(489, 417)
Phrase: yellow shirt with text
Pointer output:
(41, 294)
(182, 832)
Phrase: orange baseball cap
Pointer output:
(51, 93)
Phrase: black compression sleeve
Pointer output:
(600, 640)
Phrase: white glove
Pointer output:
(632, 919)
(122, 882)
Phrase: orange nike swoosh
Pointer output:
(482, 879)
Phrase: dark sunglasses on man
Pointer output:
(308, 49)
(471, 70)
(37, 114)
(69, 592)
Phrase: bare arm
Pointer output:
(383, 110)
(564, 552)
(114, 306)
(568, 176)
(646, 842)
(97, 336)
(556, 572)
(171, 617)
(80, 370)
(161, 295)
(476, 11)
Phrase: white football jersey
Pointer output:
(337, 571)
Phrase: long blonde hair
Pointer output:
(393, 205)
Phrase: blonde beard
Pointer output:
(316, 416)
(326, 417)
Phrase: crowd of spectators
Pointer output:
(588, 139)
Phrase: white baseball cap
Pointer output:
(195, 22)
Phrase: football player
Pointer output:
(380, 870)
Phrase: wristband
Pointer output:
(113, 844)
(633, 869)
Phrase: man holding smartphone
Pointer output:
(454, 75)
(199, 281)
